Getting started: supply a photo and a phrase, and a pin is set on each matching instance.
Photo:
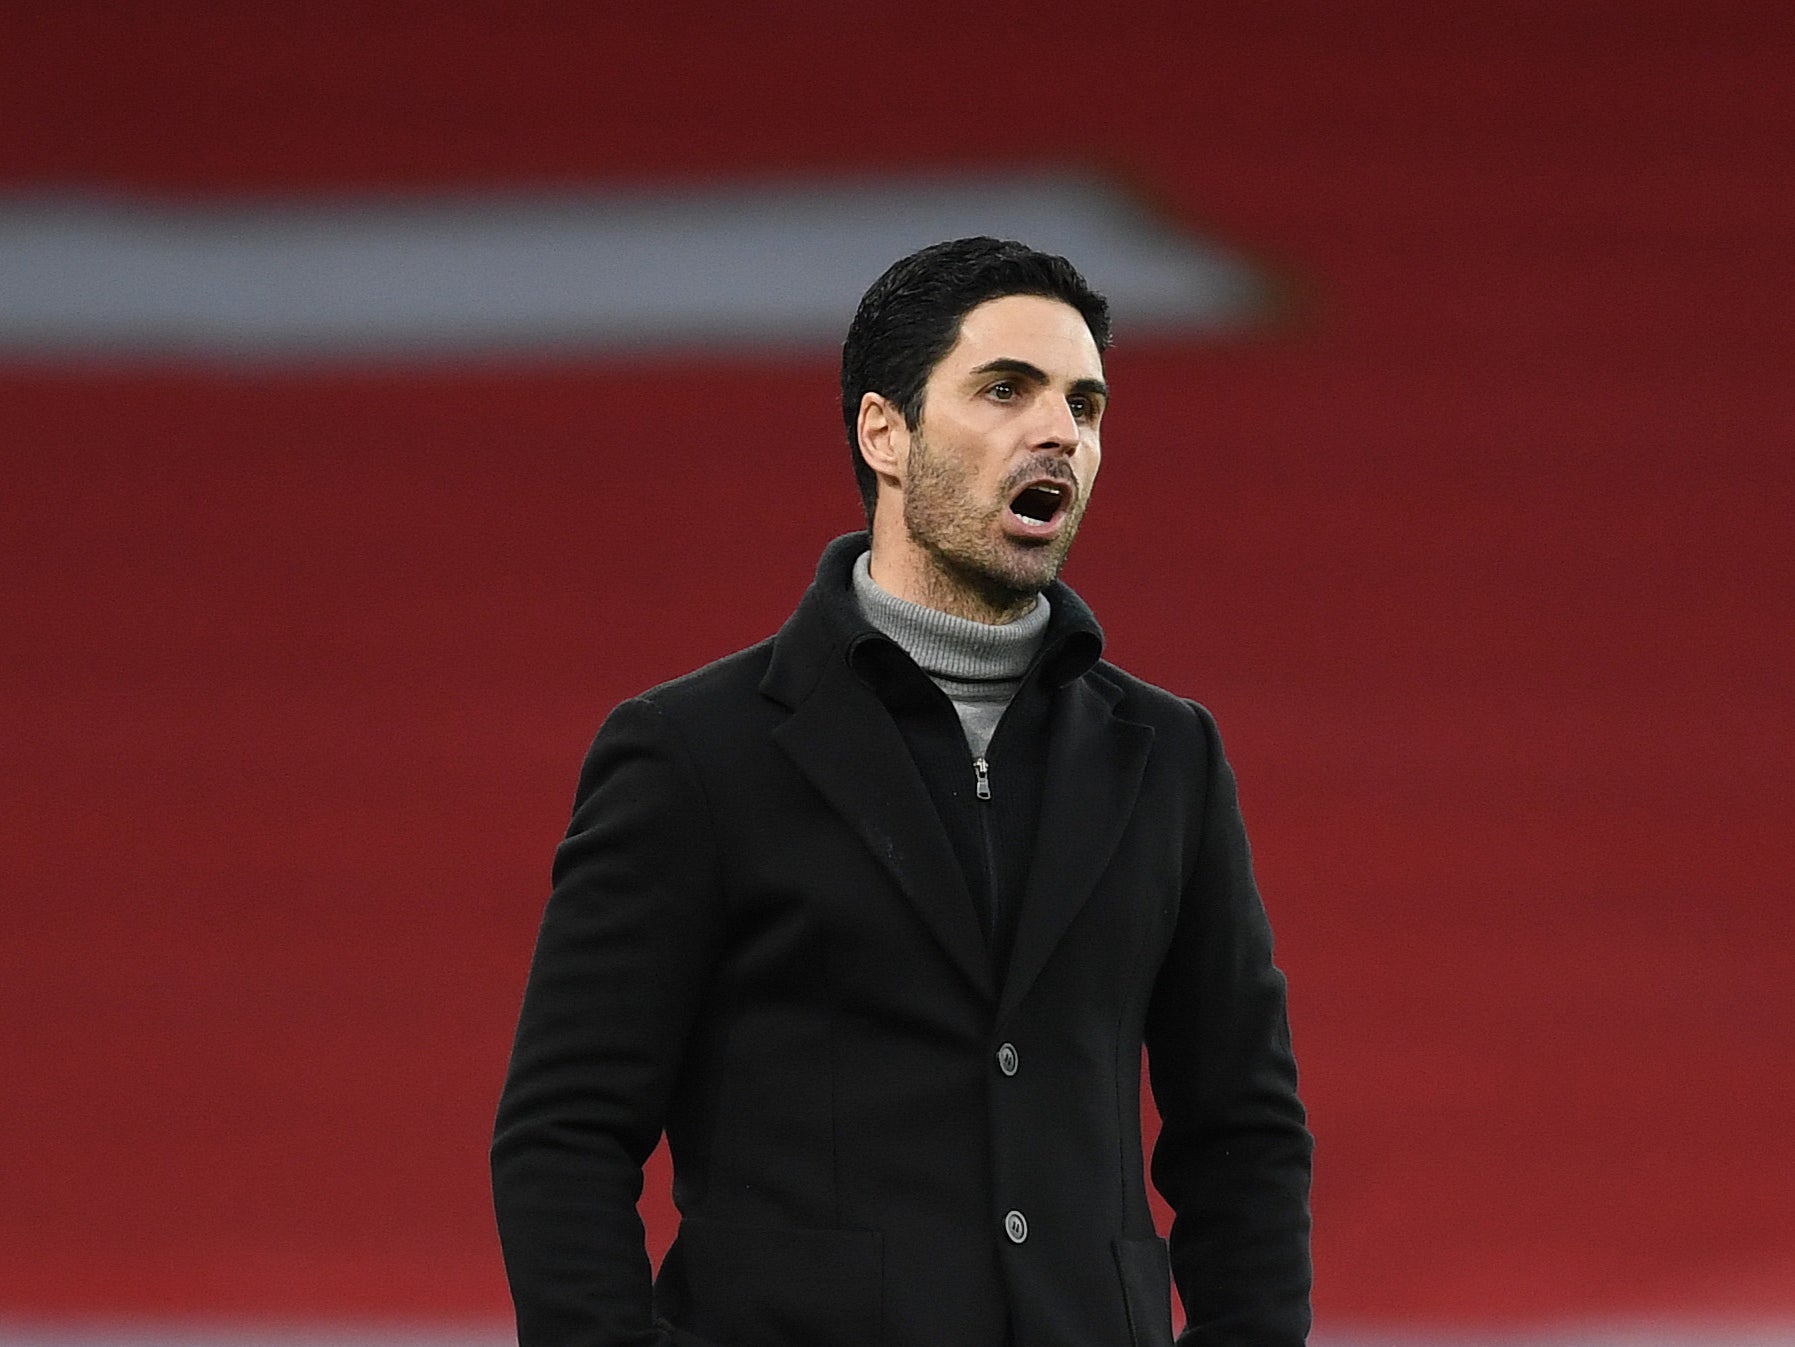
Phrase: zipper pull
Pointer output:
(982, 770)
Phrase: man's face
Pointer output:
(1001, 464)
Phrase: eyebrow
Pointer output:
(1035, 374)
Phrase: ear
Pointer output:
(884, 438)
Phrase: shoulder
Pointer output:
(1136, 699)
(678, 726)
(1187, 750)
(696, 709)
(719, 682)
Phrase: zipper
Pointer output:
(985, 822)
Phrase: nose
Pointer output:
(1058, 428)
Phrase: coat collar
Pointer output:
(828, 664)
(828, 621)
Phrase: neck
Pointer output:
(952, 649)
(929, 581)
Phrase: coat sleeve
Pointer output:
(1233, 1155)
(627, 941)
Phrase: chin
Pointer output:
(1031, 573)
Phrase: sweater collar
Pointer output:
(828, 624)
(946, 646)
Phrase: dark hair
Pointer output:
(911, 316)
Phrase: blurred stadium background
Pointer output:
(387, 390)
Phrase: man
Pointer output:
(873, 920)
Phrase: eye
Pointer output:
(1003, 390)
(1084, 408)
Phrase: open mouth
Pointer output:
(1040, 502)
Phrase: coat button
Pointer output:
(1007, 1060)
(1016, 1227)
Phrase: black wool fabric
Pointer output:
(761, 945)
(993, 838)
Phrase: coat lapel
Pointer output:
(844, 741)
(1094, 764)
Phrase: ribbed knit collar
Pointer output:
(829, 619)
(948, 647)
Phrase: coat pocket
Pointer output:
(1146, 1273)
(774, 1286)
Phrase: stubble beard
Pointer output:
(977, 570)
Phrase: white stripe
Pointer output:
(631, 270)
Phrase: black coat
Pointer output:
(760, 941)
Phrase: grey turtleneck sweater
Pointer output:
(979, 665)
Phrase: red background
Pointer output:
(1481, 555)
